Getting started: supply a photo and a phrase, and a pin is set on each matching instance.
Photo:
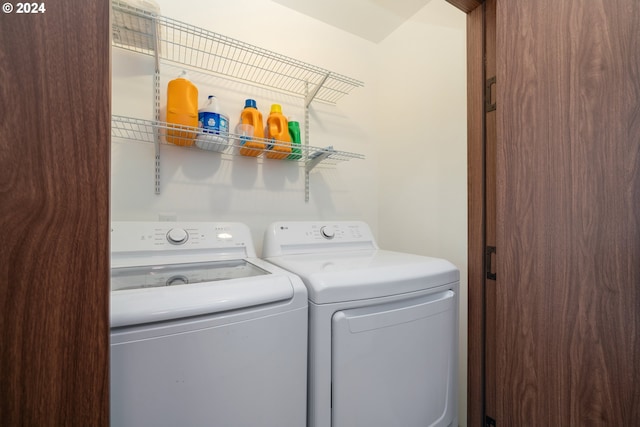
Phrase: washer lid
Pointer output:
(357, 275)
(156, 276)
(152, 294)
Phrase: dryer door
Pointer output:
(394, 364)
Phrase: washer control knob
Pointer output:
(177, 236)
(328, 233)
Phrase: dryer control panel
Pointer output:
(309, 236)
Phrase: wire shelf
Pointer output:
(144, 32)
(235, 144)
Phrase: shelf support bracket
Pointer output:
(156, 131)
(314, 92)
(306, 141)
(156, 103)
(318, 157)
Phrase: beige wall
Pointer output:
(199, 185)
(422, 151)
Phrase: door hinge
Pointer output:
(489, 422)
(488, 95)
(488, 259)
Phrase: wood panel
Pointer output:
(491, 287)
(467, 6)
(54, 186)
(475, 184)
(568, 231)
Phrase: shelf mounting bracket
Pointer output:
(156, 104)
(314, 92)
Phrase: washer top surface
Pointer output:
(163, 270)
(348, 265)
(127, 278)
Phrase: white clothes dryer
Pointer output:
(202, 332)
(383, 327)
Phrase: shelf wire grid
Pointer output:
(145, 131)
(205, 50)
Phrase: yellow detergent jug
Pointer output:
(182, 110)
(278, 132)
(251, 116)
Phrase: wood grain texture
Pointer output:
(475, 185)
(467, 6)
(568, 230)
(54, 215)
(490, 160)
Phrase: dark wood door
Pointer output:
(555, 340)
(490, 206)
(482, 112)
(476, 211)
(54, 214)
(568, 213)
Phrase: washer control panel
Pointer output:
(137, 242)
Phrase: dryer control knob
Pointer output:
(177, 236)
(328, 233)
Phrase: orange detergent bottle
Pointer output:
(278, 131)
(182, 110)
(251, 116)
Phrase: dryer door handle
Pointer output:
(395, 313)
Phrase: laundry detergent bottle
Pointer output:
(182, 110)
(294, 133)
(214, 126)
(278, 133)
(251, 116)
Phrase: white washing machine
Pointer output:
(202, 332)
(383, 327)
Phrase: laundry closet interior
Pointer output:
(378, 90)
